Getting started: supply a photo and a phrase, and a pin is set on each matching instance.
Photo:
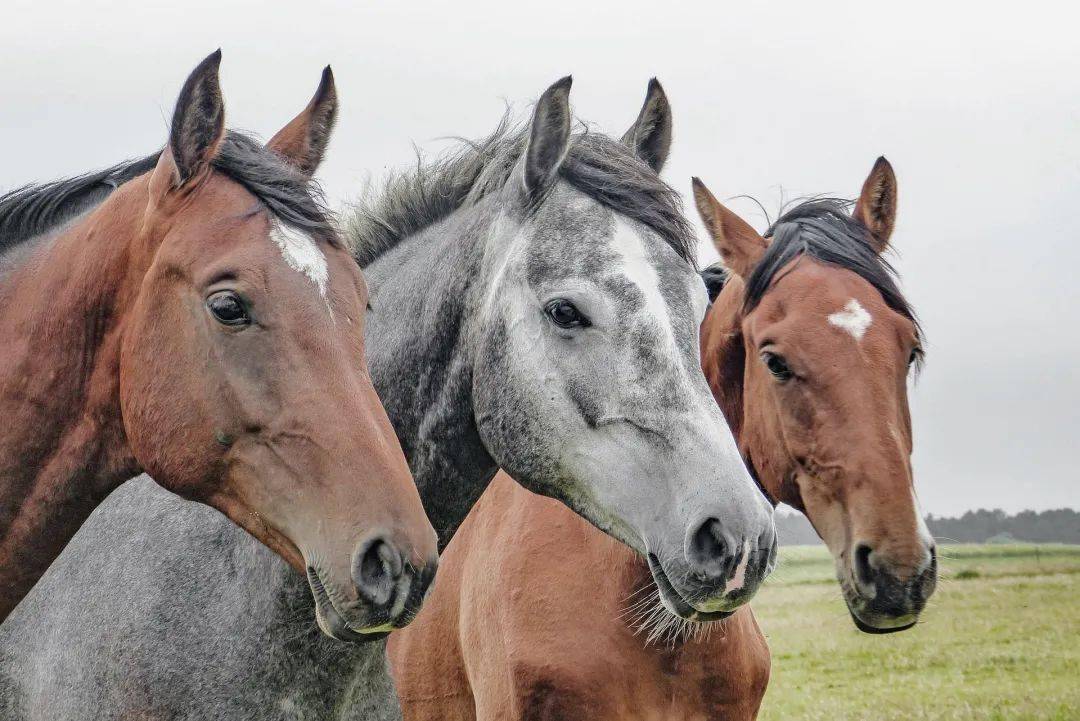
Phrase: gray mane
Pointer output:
(604, 169)
(290, 196)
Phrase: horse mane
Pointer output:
(715, 277)
(32, 210)
(290, 196)
(823, 229)
(602, 168)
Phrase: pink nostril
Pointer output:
(738, 580)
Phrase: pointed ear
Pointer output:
(302, 143)
(549, 138)
(876, 207)
(738, 244)
(198, 123)
(650, 135)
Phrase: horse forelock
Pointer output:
(824, 230)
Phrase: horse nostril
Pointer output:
(864, 572)
(376, 570)
(709, 550)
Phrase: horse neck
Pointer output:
(424, 291)
(63, 448)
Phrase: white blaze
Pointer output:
(302, 254)
(853, 319)
(639, 270)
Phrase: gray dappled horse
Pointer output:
(534, 306)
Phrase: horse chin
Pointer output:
(333, 623)
(876, 623)
(673, 600)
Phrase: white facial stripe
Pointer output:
(853, 319)
(639, 270)
(302, 254)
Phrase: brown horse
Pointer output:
(194, 315)
(807, 349)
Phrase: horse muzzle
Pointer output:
(879, 600)
(390, 592)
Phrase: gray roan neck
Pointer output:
(422, 292)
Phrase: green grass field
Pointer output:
(999, 640)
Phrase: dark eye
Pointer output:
(777, 366)
(565, 315)
(915, 357)
(227, 308)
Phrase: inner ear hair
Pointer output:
(198, 123)
(650, 135)
(549, 138)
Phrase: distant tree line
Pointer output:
(1061, 525)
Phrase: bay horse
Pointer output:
(807, 349)
(195, 315)
(534, 305)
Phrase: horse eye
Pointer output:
(565, 314)
(227, 308)
(777, 366)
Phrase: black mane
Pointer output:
(602, 168)
(292, 197)
(715, 277)
(823, 229)
(33, 210)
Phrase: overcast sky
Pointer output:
(978, 109)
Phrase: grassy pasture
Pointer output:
(1000, 640)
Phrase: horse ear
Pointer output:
(302, 143)
(549, 138)
(876, 207)
(650, 135)
(198, 123)
(738, 244)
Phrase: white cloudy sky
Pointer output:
(978, 109)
